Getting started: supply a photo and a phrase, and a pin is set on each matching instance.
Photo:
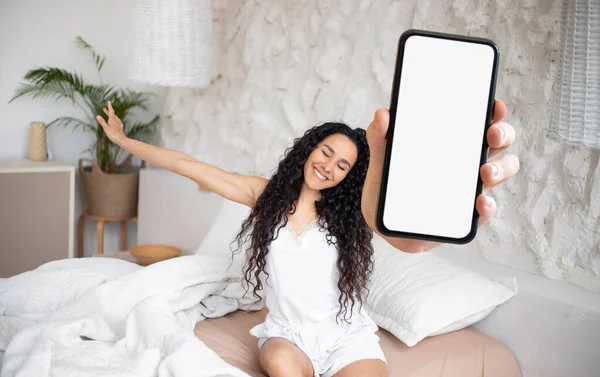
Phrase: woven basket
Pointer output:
(113, 195)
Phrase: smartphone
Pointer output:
(441, 107)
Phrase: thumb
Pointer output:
(376, 133)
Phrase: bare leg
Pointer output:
(281, 358)
(368, 367)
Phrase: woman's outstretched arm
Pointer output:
(243, 189)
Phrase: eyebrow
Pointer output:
(332, 151)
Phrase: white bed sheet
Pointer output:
(102, 316)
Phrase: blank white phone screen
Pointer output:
(438, 134)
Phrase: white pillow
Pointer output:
(414, 296)
(224, 230)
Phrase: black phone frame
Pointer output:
(389, 136)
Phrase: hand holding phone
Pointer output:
(441, 107)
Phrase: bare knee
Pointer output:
(280, 357)
(279, 361)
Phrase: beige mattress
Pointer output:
(463, 353)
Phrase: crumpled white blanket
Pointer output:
(109, 317)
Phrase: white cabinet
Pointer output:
(36, 214)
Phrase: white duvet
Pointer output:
(109, 317)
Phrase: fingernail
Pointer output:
(494, 170)
(501, 132)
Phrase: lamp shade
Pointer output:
(576, 99)
(172, 43)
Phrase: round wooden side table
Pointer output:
(101, 220)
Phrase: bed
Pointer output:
(549, 329)
(463, 353)
(173, 210)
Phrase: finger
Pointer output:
(376, 133)
(111, 116)
(499, 170)
(500, 136)
(110, 108)
(101, 121)
(376, 138)
(499, 111)
(486, 207)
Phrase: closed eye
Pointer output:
(327, 155)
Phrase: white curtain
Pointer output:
(172, 45)
(576, 106)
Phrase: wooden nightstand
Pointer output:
(101, 220)
(36, 214)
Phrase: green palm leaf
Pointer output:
(142, 131)
(99, 95)
(37, 92)
(52, 83)
(59, 84)
(127, 99)
(98, 59)
(73, 122)
(42, 76)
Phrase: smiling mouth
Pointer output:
(319, 175)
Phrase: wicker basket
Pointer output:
(109, 194)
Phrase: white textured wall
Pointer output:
(282, 66)
(36, 33)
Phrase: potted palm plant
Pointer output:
(110, 183)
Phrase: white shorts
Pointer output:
(328, 345)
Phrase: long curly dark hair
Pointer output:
(339, 210)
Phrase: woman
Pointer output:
(309, 234)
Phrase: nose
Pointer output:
(327, 166)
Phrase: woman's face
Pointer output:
(330, 162)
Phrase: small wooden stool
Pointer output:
(100, 230)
